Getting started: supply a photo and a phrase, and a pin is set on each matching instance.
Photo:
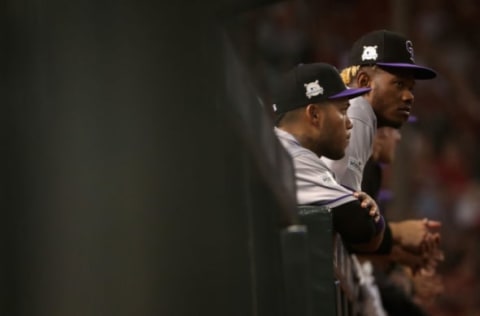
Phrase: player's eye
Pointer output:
(400, 84)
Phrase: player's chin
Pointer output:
(394, 122)
(401, 117)
(336, 154)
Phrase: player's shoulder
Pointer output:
(361, 110)
(291, 144)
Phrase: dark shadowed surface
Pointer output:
(131, 187)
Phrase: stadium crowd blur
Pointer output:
(436, 174)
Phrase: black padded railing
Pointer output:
(321, 276)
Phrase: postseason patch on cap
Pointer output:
(313, 89)
(369, 53)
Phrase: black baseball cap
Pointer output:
(311, 83)
(388, 49)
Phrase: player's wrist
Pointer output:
(396, 234)
(380, 225)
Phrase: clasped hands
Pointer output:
(416, 241)
(417, 244)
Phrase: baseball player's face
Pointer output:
(392, 96)
(334, 132)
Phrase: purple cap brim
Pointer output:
(349, 93)
(419, 72)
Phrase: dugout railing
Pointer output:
(321, 276)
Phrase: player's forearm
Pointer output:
(376, 241)
(357, 228)
(369, 247)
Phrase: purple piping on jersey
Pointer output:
(331, 201)
(296, 141)
(346, 187)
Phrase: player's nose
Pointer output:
(408, 96)
(348, 123)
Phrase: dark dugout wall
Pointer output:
(140, 173)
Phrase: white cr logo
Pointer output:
(409, 46)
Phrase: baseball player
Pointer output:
(311, 122)
(383, 61)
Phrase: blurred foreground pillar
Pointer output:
(137, 182)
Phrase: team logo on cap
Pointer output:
(369, 53)
(313, 89)
(409, 46)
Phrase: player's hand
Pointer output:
(413, 260)
(420, 236)
(431, 260)
(427, 288)
(366, 201)
(432, 238)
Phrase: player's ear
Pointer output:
(363, 79)
(313, 113)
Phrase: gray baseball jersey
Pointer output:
(315, 181)
(349, 169)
